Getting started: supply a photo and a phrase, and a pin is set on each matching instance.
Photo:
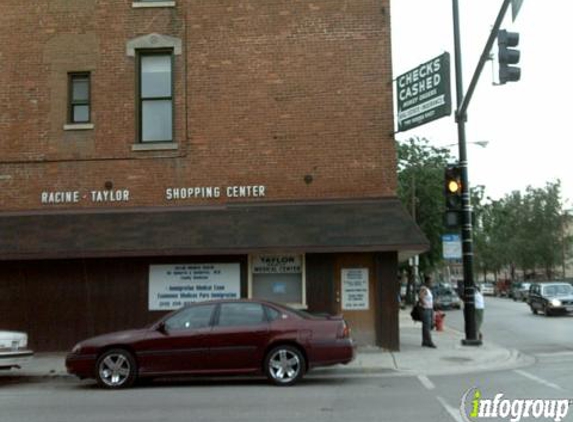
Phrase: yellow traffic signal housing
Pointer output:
(453, 188)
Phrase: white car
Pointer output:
(14, 349)
(487, 289)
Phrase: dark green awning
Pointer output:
(342, 226)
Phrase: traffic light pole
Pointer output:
(471, 338)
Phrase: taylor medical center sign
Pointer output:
(423, 93)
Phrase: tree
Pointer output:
(524, 231)
(421, 189)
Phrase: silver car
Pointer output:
(14, 350)
(551, 298)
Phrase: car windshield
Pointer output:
(441, 290)
(558, 290)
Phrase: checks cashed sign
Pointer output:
(423, 93)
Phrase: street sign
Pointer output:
(515, 6)
(452, 246)
(423, 93)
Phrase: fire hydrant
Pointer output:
(439, 320)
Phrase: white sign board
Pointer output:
(452, 245)
(277, 264)
(172, 286)
(355, 295)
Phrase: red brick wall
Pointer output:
(267, 92)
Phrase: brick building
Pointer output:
(158, 152)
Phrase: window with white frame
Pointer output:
(278, 278)
(155, 96)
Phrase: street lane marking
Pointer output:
(454, 413)
(553, 354)
(537, 379)
(426, 382)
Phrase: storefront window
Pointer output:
(278, 278)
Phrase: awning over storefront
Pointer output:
(343, 226)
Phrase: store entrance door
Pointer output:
(355, 289)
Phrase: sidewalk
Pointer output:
(450, 357)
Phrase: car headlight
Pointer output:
(555, 302)
(77, 348)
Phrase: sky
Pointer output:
(527, 123)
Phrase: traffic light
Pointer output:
(453, 195)
(453, 188)
(508, 56)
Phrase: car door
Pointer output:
(178, 345)
(535, 299)
(239, 337)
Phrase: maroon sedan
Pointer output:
(221, 337)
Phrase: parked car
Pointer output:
(487, 289)
(551, 298)
(445, 297)
(14, 350)
(513, 290)
(219, 337)
(521, 292)
(502, 288)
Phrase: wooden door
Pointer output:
(355, 290)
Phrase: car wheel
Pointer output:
(116, 369)
(533, 310)
(284, 365)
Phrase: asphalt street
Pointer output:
(347, 397)
(513, 325)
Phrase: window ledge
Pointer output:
(142, 4)
(155, 146)
(79, 126)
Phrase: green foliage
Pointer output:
(421, 190)
(521, 230)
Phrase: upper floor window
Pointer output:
(155, 97)
(79, 98)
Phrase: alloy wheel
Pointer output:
(285, 365)
(116, 369)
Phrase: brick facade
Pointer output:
(282, 108)
(265, 93)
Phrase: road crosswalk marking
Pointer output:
(454, 413)
(426, 382)
(537, 379)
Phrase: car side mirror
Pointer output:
(162, 328)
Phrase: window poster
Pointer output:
(172, 286)
(355, 293)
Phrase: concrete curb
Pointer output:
(448, 359)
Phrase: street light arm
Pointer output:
(482, 144)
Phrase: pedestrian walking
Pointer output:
(479, 304)
(427, 303)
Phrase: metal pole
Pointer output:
(467, 243)
(463, 106)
